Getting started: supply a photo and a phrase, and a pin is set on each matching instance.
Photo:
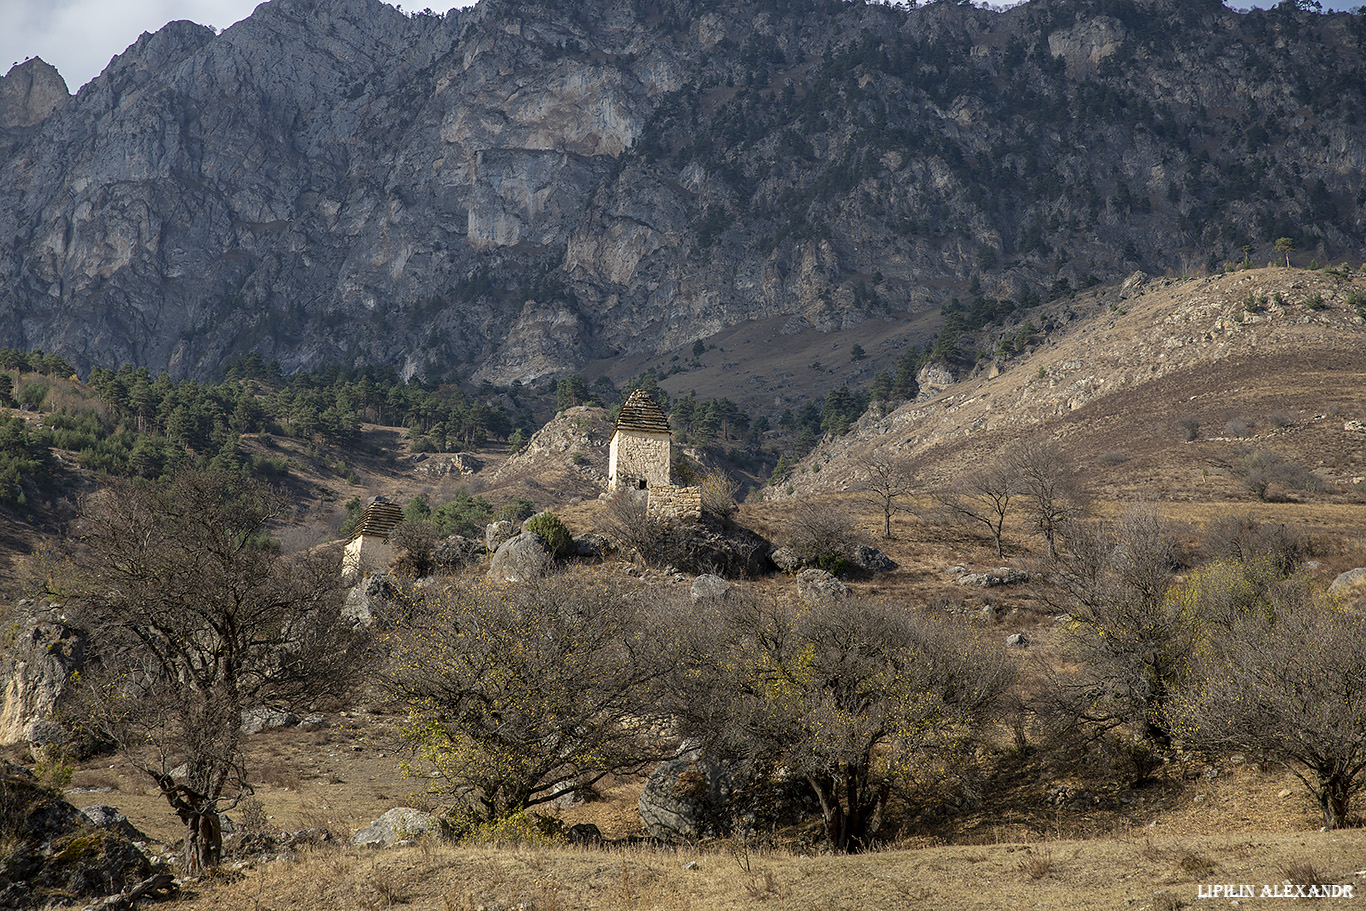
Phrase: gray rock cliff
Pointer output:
(510, 191)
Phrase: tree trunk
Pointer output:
(1334, 796)
(203, 841)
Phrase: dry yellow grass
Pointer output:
(1135, 871)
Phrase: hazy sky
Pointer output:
(79, 37)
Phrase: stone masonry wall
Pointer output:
(641, 456)
(675, 504)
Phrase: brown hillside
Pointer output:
(1117, 388)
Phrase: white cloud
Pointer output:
(80, 37)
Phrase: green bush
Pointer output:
(551, 530)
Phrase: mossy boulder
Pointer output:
(50, 853)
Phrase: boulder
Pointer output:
(53, 853)
(495, 533)
(709, 588)
(787, 560)
(106, 817)
(584, 833)
(590, 546)
(456, 552)
(313, 723)
(523, 558)
(1001, 575)
(872, 560)
(254, 721)
(398, 824)
(688, 797)
(1349, 579)
(1017, 640)
(365, 601)
(816, 585)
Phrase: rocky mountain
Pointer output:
(514, 190)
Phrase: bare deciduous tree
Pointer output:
(198, 617)
(849, 695)
(520, 695)
(982, 496)
(1132, 643)
(1050, 487)
(886, 478)
(1284, 679)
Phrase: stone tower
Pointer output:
(638, 457)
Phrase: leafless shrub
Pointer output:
(1130, 643)
(820, 529)
(718, 491)
(1050, 488)
(1304, 873)
(1278, 677)
(1244, 539)
(982, 496)
(1113, 457)
(630, 525)
(1282, 419)
(1237, 427)
(1262, 468)
(1166, 901)
(886, 478)
(1190, 428)
(415, 544)
(828, 691)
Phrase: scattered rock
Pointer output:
(590, 546)
(522, 558)
(872, 560)
(495, 533)
(585, 833)
(398, 824)
(814, 585)
(787, 560)
(313, 723)
(709, 588)
(1002, 575)
(1348, 579)
(53, 853)
(254, 721)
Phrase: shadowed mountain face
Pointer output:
(511, 191)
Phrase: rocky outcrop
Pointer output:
(816, 586)
(53, 853)
(398, 825)
(688, 797)
(30, 92)
(526, 187)
(34, 670)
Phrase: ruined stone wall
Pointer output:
(638, 456)
(675, 504)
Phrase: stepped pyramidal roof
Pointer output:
(380, 518)
(642, 414)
